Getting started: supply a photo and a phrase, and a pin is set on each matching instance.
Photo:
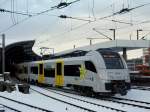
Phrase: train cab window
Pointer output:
(112, 60)
(90, 66)
(41, 69)
(34, 70)
(49, 72)
(59, 68)
(72, 70)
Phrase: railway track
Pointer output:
(4, 107)
(128, 102)
(141, 88)
(22, 105)
(83, 101)
(134, 103)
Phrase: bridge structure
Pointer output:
(117, 45)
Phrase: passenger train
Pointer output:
(101, 71)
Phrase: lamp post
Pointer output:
(3, 55)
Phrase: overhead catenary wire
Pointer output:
(83, 25)
(118, 21)
(143, 37)
(14, 12)
(93, 6)
(122, 11)
(12, 15)
(61, 5)
(68, 17)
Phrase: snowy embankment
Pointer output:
(38, 100)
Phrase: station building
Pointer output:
(16, 53)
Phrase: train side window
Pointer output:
(34, 70)
(41, 69)
(25, 70)
(49, 72)
(20, 70)
(72, 70)
(90, 66)
(59, 68)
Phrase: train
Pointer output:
(101, 71)
(141, 74)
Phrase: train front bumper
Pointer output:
(120, 87)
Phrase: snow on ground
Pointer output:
(139, 95)
(111, 104)
(4, 109)
(38, 100)
(41, 101)
(72, 101)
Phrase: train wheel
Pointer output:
(89, 92)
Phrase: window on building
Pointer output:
(72, 70)
(90, 66)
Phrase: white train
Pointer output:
(102, 71)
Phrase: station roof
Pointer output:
(116, 45)
(18, 52)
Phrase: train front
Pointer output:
(116, 73)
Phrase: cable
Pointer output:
(14, 12)
(11, 13)
(93, 6)
(101, 34)
(118, 21)
(27, 6)
(65, 17)
(119, 12)
(145, 36)
(13, 8)
(61, 5)
(80, 26)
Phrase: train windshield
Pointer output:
(112, 60)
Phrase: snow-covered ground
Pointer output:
(47, 103)
(139, 95)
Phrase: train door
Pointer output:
(41, 77)
(59, 73)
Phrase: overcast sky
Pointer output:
(51, 31)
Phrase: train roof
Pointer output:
(75, 55)
(78, 53)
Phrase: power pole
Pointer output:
(74, 46)
(92, 39)
(3, 55)
(137, 31)
(114, 33)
